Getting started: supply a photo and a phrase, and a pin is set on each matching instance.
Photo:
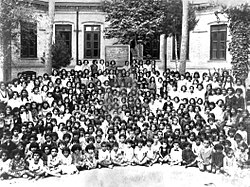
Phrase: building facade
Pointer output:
(80, 23)
(207, 43)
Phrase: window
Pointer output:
(178, 37)
(28, 40)
(64, 33)
(92, 42)
(151, 49)
(218, 42)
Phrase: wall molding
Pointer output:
(92, 23)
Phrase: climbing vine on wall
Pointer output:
(239, 25)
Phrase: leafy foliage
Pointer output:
(13, 12)
(133, 19)
(172, 22)
(60, 54)
(240, 31)
(144, 19)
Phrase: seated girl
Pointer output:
(164, 153)
(140, 154)
(104, 157)
(188, 156)
(36, 165)
(176, 154)
(78, 158)
(53, 163)
(66, 162)
(18, 166)
(4, 165)
(229, 163)
(117, 156)
(91, 161)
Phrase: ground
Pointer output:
(136, 176)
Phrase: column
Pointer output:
(163, 52)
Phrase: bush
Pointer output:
(61, 56)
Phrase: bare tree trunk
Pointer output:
(176, 52)
(163, 51)
(140, 47)
(1, 49)
(48, 63)
(184, 37)
(5, 48)
(1, 61)
(7, 54)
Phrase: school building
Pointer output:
(80, 23)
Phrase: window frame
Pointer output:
(28, 40)
(92, 41)
(152, 49)
(65, 28)
(219, 29)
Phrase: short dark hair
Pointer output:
(140, 140)
(150, 140)
(66, 135)
(54, 147)
(103, 144)
(37, 152)
(34, 145)
(76, 147)
(4, 151)
(89, 146)
(218, 147)
(186, 144)
(115, 144)
(33, 136)
(65, 149)
(16, 152)
(122, 135)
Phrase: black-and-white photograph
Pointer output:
(124, 93)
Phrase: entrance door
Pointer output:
(64, 33)
(92, 42)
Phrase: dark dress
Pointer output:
(9, 147)
(230, 101)
(217, 159)
(240, 103)
(188, 156)
(164, 152)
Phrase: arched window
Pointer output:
(92, 41)
(64, 32)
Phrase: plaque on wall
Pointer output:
(118, 53)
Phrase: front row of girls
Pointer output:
(56, 161)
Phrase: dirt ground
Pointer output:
(131, 176)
